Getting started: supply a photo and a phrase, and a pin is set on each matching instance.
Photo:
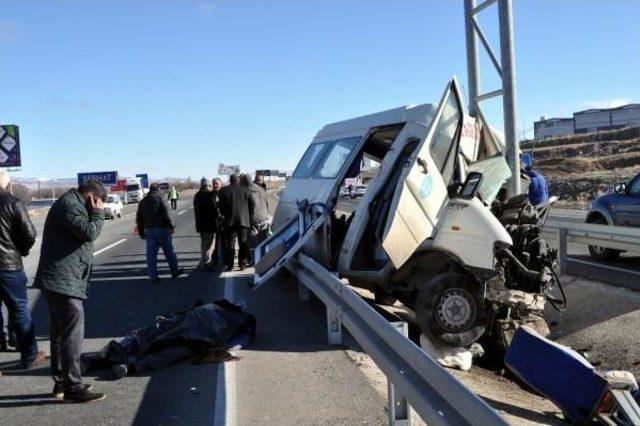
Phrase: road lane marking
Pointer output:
(225, 402)
(183, 211)
(109, 246)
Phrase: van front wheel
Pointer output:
(450, 308)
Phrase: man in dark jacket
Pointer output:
(259, 213)
(17, 236)
(155, 226)
(234, 206)
(73, 223)
(206, 215)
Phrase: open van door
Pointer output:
(421, 191)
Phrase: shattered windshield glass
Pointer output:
(495, 171)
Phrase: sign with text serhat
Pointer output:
(107, 178)
(228, 170)
(10, 146)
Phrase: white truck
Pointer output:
(134, 192)
(433, 228)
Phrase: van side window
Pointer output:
(337, 157)
(443, 137)
(310, 159)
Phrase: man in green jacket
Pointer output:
(72, 225)
(173, 197)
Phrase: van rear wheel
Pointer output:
(450, 308)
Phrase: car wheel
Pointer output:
(602, 254)
(450, 308)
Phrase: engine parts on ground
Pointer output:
(451, 356)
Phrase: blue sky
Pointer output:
(174, 87)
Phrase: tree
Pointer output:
(23, 192)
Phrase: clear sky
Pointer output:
(174, 87)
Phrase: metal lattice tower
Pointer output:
(504, 66)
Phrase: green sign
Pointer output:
(10, 146)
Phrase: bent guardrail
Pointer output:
(434, 393)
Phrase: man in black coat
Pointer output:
(206, 215)
(73, 223)
(234, 206)
(156, 227)
(17, 235)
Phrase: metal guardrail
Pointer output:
(414, 377)
(613, 237)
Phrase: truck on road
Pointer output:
(134, 191)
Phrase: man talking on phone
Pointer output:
(72, 225)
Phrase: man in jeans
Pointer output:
(17, 235)
(73, 223)
(155, 226)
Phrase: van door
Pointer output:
(421, 192)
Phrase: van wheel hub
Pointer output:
(456, 310)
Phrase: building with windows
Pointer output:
(589, 121)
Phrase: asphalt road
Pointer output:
(288, 375)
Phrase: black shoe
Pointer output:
(83, 396)
(176, 274)
(155, 280)
(120, 370)
(58, 390)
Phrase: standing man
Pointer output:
(219, 251)
(173, 197)
(74, 222)
(17, 236)
(234, 205)
(206, 215)
(155, 226)
(538, 189)
(259, 213)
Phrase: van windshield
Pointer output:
(133, 187)
(310, 159)
(337, 157)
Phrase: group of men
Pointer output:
(72, 225)
(237, 211)
(234, 214)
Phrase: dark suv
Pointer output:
(621, 207)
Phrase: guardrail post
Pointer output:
(399, 409)
(334, 325)
(562, 250)
(303, 292)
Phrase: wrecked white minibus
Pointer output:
(430, 229)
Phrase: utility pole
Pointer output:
(506, 70)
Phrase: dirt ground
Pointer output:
(599, 318)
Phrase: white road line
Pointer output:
(183, 211)
(225, 403)
(109, 246)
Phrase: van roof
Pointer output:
(421, 114)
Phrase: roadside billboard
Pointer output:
(144, 179)
(107, 178)
(119, 186)
(10, 146)
(228, 170)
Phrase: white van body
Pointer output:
(134, 191)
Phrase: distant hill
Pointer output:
(578, 168)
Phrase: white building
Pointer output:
(552, 127)
(589, 121)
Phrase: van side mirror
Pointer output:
(471, 186)
(620, 188)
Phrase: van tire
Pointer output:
(450, 308)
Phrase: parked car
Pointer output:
(113, 208)
(620, 207)
(344, 191)
(360, 190)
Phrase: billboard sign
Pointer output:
(10, 146)
(228, 170)
(107, 178)
(144, 179)
(119, 186)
